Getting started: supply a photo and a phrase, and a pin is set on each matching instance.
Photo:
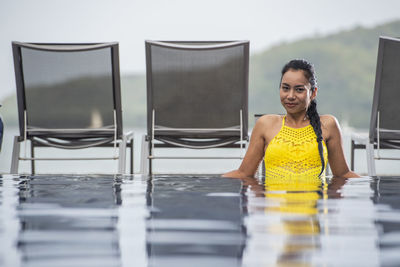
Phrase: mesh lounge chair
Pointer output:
(197, 96)
(69, 97)
(384, 131)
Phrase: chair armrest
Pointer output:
(360, 138)
(129, 135)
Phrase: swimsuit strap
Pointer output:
(283, 120)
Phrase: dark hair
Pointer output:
(312, 113)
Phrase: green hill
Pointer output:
(345, 65)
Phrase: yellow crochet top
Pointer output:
(292, 157)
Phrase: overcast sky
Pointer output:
(130, 22)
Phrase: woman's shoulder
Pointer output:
(328, 120)
(330, 123)
(268, 126)
(269, 119)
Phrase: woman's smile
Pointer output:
(290, 105)
(295, 91)
(296, 144)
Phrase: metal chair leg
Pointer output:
(32, 156)
(122, 156)
(15, 156)
(144, 156)
(132, 145)
(370, 159)
(352, 156)
(150, 164)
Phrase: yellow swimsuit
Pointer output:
(292, 157)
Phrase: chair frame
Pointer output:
(149, 141)
(375, 140)
(114, 133)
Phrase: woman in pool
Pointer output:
(298, 145)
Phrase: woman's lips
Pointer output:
(291, 105)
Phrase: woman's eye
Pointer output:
(300, 89)
(285, 88)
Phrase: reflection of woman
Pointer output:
(298, 145)
(294, 198)
(292, 214)
(298, 222)
(291, 217)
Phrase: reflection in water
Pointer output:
(68, 221)
(304, 224)
(131, 221)
(297, 205)
(194, 221)
(197, 221)
(288, 214)
(9, 222)
(386, 199)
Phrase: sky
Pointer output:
(131, 22)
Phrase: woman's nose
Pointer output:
(291, 94)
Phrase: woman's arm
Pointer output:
(254, 154)
(336, 158)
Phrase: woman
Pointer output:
(298, 145)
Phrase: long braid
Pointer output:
(312, 113)
(315, 122)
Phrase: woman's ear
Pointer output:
(314, 93)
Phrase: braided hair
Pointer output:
(312, 113)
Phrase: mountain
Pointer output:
(345, 65)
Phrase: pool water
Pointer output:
(199, 220)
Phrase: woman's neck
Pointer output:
(297, 120)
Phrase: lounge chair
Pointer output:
(384, 129)
(69, 97)
(197, 97)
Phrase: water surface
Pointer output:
(198, 220)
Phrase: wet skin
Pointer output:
(295, 96)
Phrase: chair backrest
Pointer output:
(68, 89)
(197, 85)
(387, 91)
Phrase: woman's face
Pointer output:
(295, 91)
